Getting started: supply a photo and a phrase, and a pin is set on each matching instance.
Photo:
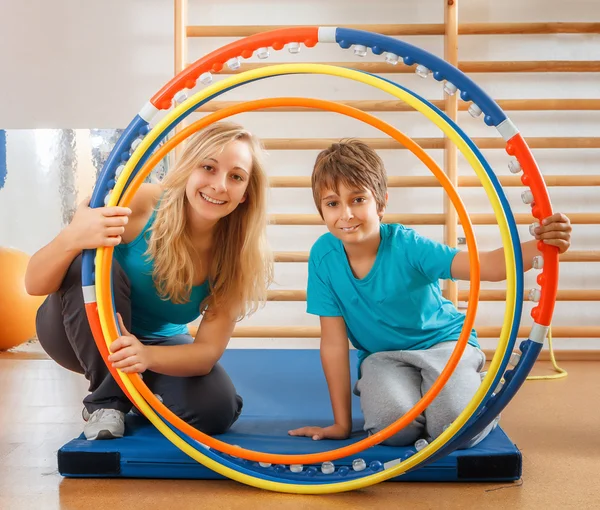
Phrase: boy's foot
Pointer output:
(103, 424)
(483, 434)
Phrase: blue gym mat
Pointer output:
(282, 389)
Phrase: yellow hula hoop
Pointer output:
(417, 104)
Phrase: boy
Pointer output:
(377, 284)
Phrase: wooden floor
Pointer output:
(556, 424)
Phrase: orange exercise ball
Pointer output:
(17, 308)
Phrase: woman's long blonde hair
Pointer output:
(242, 265)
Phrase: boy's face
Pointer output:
(351, 214)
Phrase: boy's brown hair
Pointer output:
(355, 165)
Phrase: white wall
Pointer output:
(83, 65)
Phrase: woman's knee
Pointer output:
(216, 413)
(209, 403)
(217, 416)
(72, 277)
(52, 336)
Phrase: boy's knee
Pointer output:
(388, 415)
(405, 437)
(443, 417)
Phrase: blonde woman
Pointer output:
(194, 244)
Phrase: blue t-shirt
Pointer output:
(398, 305)
(152, 316)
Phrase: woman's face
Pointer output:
(219, 183)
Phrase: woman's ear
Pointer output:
(244, 198)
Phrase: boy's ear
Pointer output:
(382, 211)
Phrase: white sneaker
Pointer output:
(134, 410)
(104, 424)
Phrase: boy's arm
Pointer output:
(336, 365)
(492, 263)
(334, 357)
(554, 231)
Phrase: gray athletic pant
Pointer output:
(209, 403)
(392, 382)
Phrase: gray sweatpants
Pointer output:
(209, 402)
(392, 382)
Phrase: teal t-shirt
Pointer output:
(152, 316)
(398, 305)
